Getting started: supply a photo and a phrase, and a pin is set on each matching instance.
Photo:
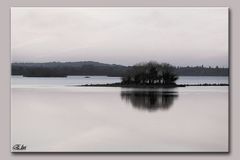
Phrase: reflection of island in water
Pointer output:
(150, 100)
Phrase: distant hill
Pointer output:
(62, 69)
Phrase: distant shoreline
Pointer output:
(91, 68)
(150, 86)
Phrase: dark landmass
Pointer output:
(90, 68)
(149, 86)
(201, 71)
(62, 69)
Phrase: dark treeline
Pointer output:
(201, 71)
(61, 69)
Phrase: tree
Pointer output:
(150, 73)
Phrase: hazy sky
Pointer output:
(180, 36)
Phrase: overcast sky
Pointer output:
(180, 36)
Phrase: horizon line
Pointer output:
(124, 65)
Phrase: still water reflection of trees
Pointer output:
(150, 100)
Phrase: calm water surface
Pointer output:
(81, 80)
(66, 118)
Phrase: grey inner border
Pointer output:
(146, 152)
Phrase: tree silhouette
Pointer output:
(150, 73)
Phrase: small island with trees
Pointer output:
(150, 73)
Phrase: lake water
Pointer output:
(81, 80)
(48, 114)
